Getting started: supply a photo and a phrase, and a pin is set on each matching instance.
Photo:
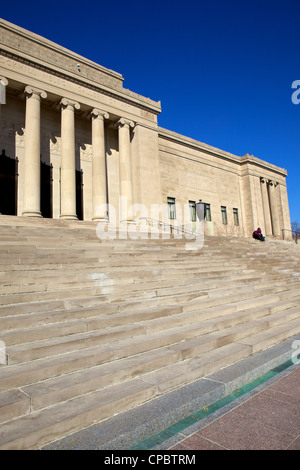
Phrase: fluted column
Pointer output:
(68, 169)
(274, 209)
(126, 190)
(32, 169)
(266, 206)
(99, 165)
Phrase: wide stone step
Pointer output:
(162, 283)
(150, 331)
(105, 277)
(92, 326)
(225, 316)
(68, 386)
(67, 281)
(272, 336)
(205, 321)
(102, 314)
(83, 320)
(37, 428)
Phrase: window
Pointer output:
(171, 208)
(192, 205)
(236, 216)
(224, 215)
(207, 213)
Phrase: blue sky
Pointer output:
(223, 70)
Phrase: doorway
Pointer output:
(8, 184)
(46, 190)
(79, 194)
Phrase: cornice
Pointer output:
(126, 96)
(26, 35)
(63, 63)
(252, 160)
(192, 143)
(241, 161)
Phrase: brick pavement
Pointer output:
(269, 420)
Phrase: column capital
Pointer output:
(263, 180)
(273, 183)
(66, 103)
(125, 122)
(4, 81)
(3, 84)
(96, 112)
(36, 92)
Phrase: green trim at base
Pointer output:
(176, 428)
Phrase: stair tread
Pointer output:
(72, 414)
(93, 325)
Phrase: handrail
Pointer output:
(294, 234)
(163, 225)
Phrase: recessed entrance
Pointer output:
(46, 190)
(8, 184)
(79, 194)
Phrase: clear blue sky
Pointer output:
(223, 70)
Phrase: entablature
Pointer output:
(36, 52)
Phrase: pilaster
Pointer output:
(274, 208)
(266, 206)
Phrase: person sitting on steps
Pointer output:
(257, 235)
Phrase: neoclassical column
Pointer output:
(32, 159)
(274, 208)
(126, 189)
(68, 168)
(99, 165)
(3, 85)
(266, 206)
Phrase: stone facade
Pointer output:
(79, 141)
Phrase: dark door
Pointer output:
(8, 184)
(79, 194)
(46, 190)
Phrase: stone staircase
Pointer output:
(92, 328)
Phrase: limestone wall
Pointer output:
(191, 170)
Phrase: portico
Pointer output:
(67, 111)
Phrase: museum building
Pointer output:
(74, 142)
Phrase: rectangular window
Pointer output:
(207, 213)
(192, 205)
(224, 215)
(171, 208)
(236, 216)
